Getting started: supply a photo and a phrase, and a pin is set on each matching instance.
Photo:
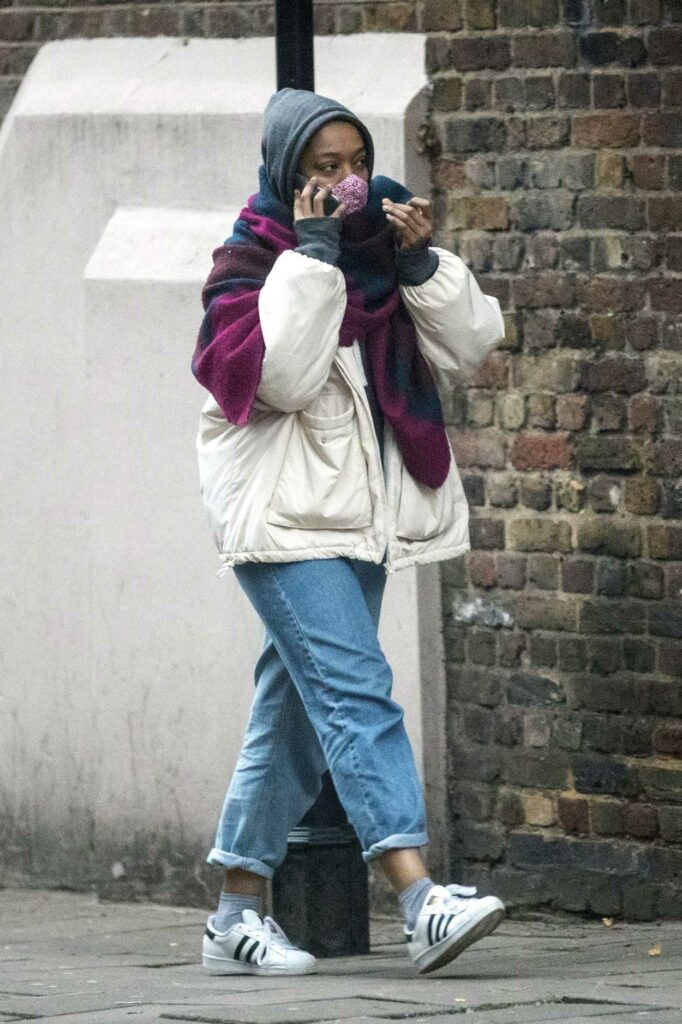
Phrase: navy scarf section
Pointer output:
(230, 348)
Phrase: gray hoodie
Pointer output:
(291, 118)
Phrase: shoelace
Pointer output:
(271, 932)
(461, 890)
(458, 896)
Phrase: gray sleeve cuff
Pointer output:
(319, 238)
(415, 266)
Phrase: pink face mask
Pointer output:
(353, 191)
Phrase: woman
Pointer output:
(331, 330)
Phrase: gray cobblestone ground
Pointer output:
(67, 958)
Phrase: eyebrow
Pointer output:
(319, 156)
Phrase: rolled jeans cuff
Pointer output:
(233, 860)
(399, 841)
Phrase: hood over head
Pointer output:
(291, 118)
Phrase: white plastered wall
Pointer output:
(126, 664)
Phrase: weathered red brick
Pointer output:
(666, 457)
(546, 612)
(625, 374)
(450, 174)
(602, 536)
(484, 213)
(642, 495)
(447, 92)
(647, 171)
(539, 534)
(548, 132)
(666, 294)
(481, 14)
(441, 16)
(573, 815)
(18, 26)
(616, 130)
(609, 169)
(665, 541)
(663, 128)
(646, 413)
(511, 571)
(571, 411)
(486, 534)
(665, 213)
(641, 820)
(544, 49)
(670, 655)
(481, 569)
(393, 17)
(478, 448)
(607, 331)
(493, 373)
(610, 294)
(469, 53)
(547, 289)
(577, 576)
(542, 451)
(665, 45)
(668, 739)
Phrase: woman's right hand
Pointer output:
(308, 205)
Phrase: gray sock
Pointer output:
(230, 908)
(412, 899)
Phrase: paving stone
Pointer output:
(66, 958)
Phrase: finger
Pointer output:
(298, 212)
(318, 200)
(340, 210)
(403, 230)
(423, 207)
(409, 237)
(307, 197)
(406, 214)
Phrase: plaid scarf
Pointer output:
(230, 347)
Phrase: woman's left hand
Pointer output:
(412, 221)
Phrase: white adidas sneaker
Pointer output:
(254, 946)
(449, 921)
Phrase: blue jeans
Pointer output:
(323, 700)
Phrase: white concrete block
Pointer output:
(126, 665)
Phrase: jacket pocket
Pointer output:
(422, 511)
(323, 482)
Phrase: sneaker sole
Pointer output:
(452, 945)
(217, 965)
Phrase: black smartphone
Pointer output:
(330, 203)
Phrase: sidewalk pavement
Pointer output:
(66, 957)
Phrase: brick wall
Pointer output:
(555, 138)
(26, 24)
(555, 129)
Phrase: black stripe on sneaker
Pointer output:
(447, 924)
(210, 934)
(249, 953)
(244, 939)
(429, 931)
(442, 924)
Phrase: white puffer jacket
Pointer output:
(303, 479)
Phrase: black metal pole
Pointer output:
(294, 41)
(320, 892)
